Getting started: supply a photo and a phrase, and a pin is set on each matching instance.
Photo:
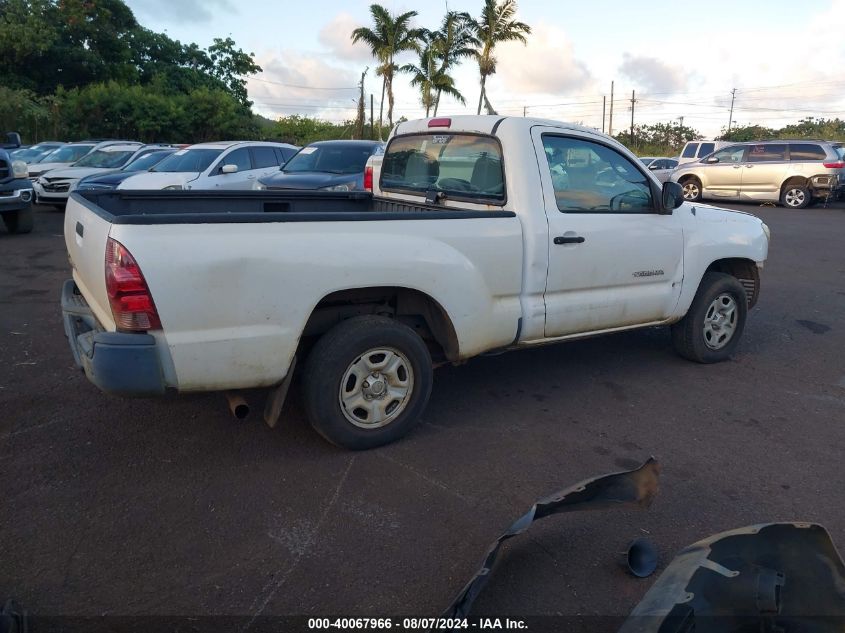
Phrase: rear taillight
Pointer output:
(837, 165)
(368, 178)
(129, 296)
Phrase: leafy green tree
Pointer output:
(495, 25)
(748, 133)
(230, 65)
(659, 139)
(390, 36)
(453, 42)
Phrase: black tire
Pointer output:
(692, 189)
(689, 336)
(327, 365)
(19, 221)
(795, 195)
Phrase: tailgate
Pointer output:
(86, 233)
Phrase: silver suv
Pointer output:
(793, 173)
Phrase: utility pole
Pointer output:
(633, 101)
(372, 126)
(603, 106)
(610, 121)
(731, 116)
(361, 118)
(681, 120)
(524, 111)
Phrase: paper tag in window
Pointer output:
(440, 139)
(308, 150)
(423, 146)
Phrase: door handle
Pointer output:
(560, 239)
(737, 166)
(749, 166)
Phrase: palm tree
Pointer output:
(429, 75)
(391, 35)
(495, 25)
(453, 42)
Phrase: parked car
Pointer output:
(144, 161)
(327, 165)
(34, 153)
(465, 246)
(54, 187)
(224, 165)
(792, 173)
(695, 150)
(661, 166)
(60, 157)
(15, 194)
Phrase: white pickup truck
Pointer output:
(483, 233)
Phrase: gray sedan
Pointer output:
(661, 166)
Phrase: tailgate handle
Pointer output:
(80, 230)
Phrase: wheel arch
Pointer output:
(417, 309)
(744, 270)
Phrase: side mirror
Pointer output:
(13, 139)
(229, 169)
(652, 166)
(711, 160)
(673, 196)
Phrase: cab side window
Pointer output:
(689, 150)
(590, 177)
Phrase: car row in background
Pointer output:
(233, 165)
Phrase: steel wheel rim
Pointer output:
(376, 387)
(720, 321)
(794, 197)
(690, 191)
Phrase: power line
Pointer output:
(286, 85)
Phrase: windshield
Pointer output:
(105, 159)
(142, 163)
(67, 154)
(188, 160)
(332, 159)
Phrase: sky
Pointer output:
(786, 60)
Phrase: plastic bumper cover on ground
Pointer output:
(116, 362)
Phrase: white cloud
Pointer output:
(194, 10)
(337, 37)
(653, 75)
(305, 83)
(545, 66)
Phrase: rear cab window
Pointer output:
(461, 166)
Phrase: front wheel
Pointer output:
(19, 221)
(710, 331)
(367, 382)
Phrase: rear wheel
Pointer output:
(795, 196)
(692, 189)
(366, 382)
(710, 331)
(19, 221)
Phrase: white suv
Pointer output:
(223, 165)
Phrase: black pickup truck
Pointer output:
(15, 189)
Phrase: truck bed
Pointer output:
(215, 207)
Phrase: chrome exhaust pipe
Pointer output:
(237, 405)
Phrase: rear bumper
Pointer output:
(116, 362)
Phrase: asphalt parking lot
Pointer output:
(171, 507)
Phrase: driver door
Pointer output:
(614, 261)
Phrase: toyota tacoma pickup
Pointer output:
(483, 234)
